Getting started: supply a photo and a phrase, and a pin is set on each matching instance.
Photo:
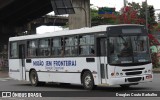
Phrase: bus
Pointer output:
(102, 55)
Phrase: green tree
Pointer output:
(135, 6)
(151, 16)
(131, 14)
(96, 19)
(151, 19)
(158, 16)
(139, 14)
(156, 28)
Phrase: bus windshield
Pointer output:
(128, 49)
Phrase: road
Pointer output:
(7, 84)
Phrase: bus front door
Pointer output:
(22, 61)
(102, 46)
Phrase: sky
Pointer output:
(118, 4)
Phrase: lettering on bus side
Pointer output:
(57, 64)
(38, 63)
(64, 63)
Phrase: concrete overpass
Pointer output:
(19, 12)
(47, 20)
(16, 14)
(25, 15)
(50, 20)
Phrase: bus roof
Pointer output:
(100, 28)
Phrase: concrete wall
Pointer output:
(78, 20)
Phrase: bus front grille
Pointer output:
(133, 73)
(134, 79)
(134, 69)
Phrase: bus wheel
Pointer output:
(87, 80)
(34, 78)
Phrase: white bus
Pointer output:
(102, 55)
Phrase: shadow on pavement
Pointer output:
(80, 87)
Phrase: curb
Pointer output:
(4, 74)
(156, 71)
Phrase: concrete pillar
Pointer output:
(31, 28)
(80, 18)
(26, 29)
(19, 30)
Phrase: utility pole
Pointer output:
(146, 16)
(124, 3)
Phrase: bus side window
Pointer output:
(44, 47)
(86, 46)
(103, 47)
(57, 46)
(92, 51)
(32, 48)
(13, 50)
(62, 52)
(71, 43)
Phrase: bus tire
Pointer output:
(88, 81)
(34, 78)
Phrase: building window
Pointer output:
(71, 46)
(32, 48)
(44, 47)
(86, 46)
(57, 47)
(14, 50)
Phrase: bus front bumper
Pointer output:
(130, 80)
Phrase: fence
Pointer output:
(4, 61)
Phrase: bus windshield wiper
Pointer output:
(122, 38)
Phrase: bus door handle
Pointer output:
(28, 60)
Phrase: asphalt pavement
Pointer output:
(7, 84)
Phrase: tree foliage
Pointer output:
(156, 28)
(96, 19)
(130, 16)
(135, 13)
(158, 16)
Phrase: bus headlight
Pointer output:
(112, 74)
(121, 74)
(145, 71)
(117, 73)
(149, 71)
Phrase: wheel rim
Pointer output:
(34, 78)
(87, 81)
